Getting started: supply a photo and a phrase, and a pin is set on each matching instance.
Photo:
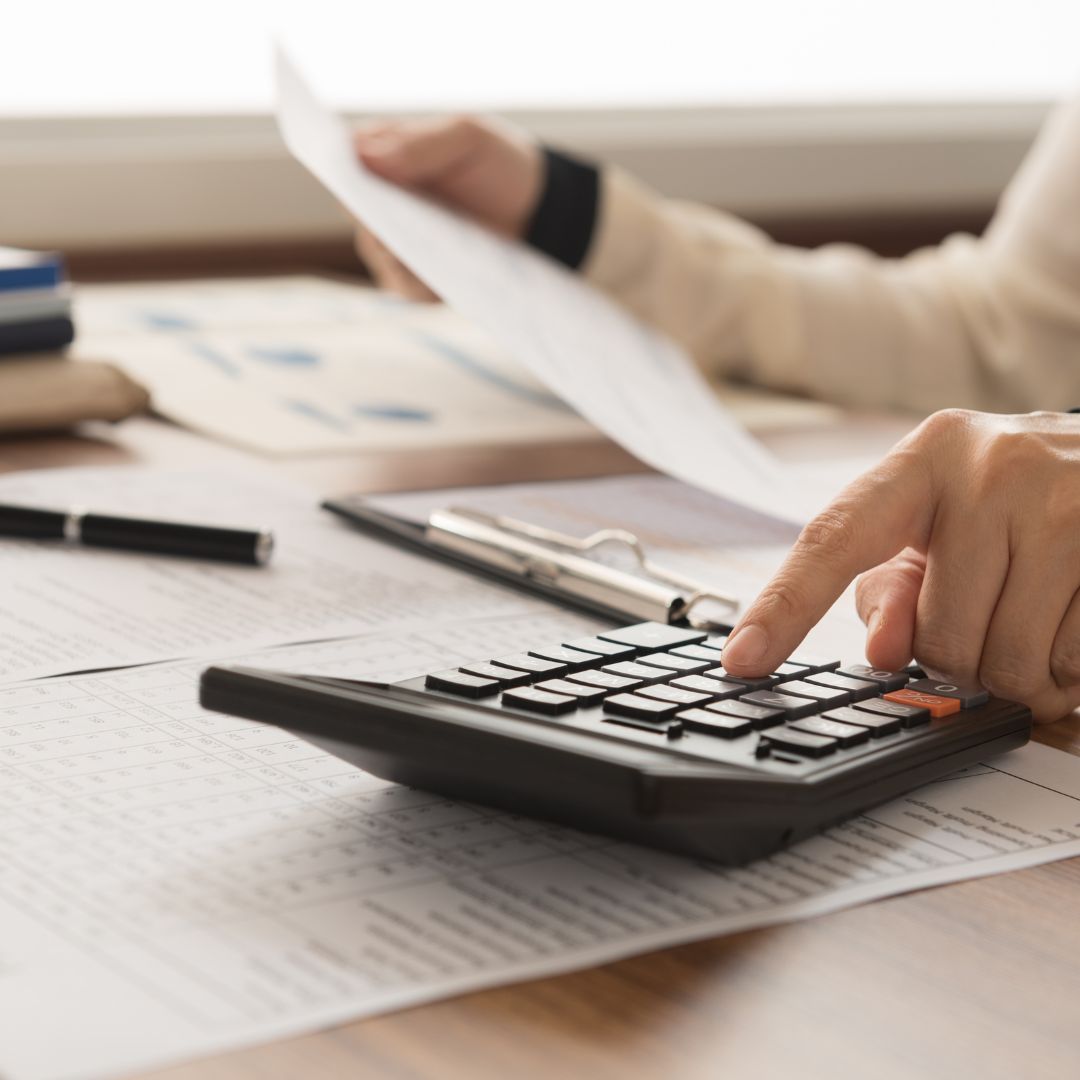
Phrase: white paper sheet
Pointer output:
(175, 883)
(628, 380)
(75, 609)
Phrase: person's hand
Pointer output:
(490, 171)
(970, 533)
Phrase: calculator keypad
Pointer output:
(668, 683)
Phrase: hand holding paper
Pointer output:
(631, 382)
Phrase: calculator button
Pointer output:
(505, 677)
(936, 706)
(635, 705)
(528, 697)
(800, 742)
(715, 641)
(574, 659)
(909, 715)
(697, 652)
(674, 694)
(532, 664)
(584, 695)
(701, 684)
(791, 707)
(815, 663)
(875, 723)
(711, 723)
(859, 689)
(607, 649)
(603, 680)
(670, 662)
(845, 734)
(758, 715)
(751, 684)
(826, 696)
(968, 696)
(788, 670)
(887, 680)
(672, 729)
(631, 669)
(458, 682)
(653, 635)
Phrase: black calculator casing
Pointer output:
(660, 795)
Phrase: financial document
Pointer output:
(71, 608)
(630, 381)
(296, 365)
(176, 883)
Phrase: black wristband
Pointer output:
(564, 219)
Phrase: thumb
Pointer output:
(887, 599)
(418, 154)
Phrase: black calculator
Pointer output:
(639, 733)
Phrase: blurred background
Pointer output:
(138, 136)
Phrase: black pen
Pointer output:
(251, 546)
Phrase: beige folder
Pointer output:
(50, 392)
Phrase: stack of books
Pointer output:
(35, 302)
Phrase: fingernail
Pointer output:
(746, 647)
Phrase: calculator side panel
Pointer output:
(408, 740)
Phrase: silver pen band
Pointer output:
(73, 526)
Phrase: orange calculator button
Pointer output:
(938, 706)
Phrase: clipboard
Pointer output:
(557, 566)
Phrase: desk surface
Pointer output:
(975, 979)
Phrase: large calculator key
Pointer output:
(845, 734)
(603, 680)
(887, 680)
(684, 665)
(800, 742)
(860, 689)
(608, 650)
(534, 665)
(584, 695)
(673, 694)
(672, 729)
(827, 697)
(653, 635)
(631, 669)
(758, 715)
(721, 672)
(711, 723)
(909, 714)
(541, 701)
(697, 652)
(936, 706)
(788, 670)
(574, 659)
(968, 696)
(505, 677)
(638, 706)
(874, 723)
(792, 707)
(716, 642)
(702, 684)
(458, 682)
(814, 663)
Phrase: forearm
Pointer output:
(991, 324)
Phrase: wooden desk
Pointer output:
(977, 979)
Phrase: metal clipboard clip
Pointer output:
(561, 562)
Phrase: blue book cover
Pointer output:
(36, 336)
(29, 269)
